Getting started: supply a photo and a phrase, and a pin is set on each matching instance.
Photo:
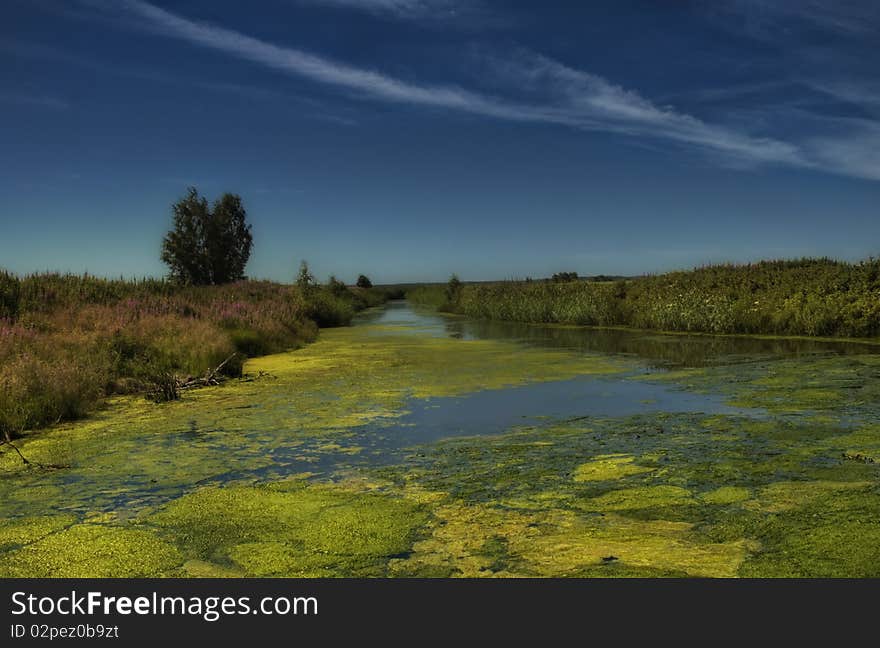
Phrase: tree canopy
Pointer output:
(207, 245)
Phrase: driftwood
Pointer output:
(212, 377)
(170, 385)
(7, 440)
(261, 375)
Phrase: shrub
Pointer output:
(336, 287)
(328, 310)
(67, 341)
(51, 381)
(453, 290)
(10, 288)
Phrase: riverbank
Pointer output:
(69, 342)
(807, 297)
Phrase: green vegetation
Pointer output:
(303, 468)
(207, 246)
(214, 484)
(292, 529)
(814, 297)
(68, 341)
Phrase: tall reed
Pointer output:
(67, 341)
(815, 297)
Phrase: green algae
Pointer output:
(820, 543)
(784, 496)
(720, 496)
(92, 551)
(726, 495)
(15, 533)
(607, 467)
(286, 529)
(641, 497)
(291, 529)
(195, 568)
(813, 384)
(479, 541)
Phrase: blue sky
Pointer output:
(408, 139)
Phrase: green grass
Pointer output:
(811, 297)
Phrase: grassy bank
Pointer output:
(813, 297)
(67, 341)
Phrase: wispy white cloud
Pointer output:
(317, 109)
(400, 8)
(865, 94)
(730, 93)
(857, 155)
(39, 100)
(463, 13)
(592, 102)
(843, 16)
(564, 95)
(829, 134)
(550, 92)
(782, 21)
(849, 145)
(335, 119)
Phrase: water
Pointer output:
(494, 411)
(654, 350)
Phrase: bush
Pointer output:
(51, 381)
(328, 310)
(10, 289)
(453, 291)
(336, 287)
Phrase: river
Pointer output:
(535, 420)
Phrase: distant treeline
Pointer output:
(815, 297)
(68, 341)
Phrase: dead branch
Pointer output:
(7, 440)
(211, 377)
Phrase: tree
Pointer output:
(305, 279)
(207, 245)
(364, 282)
(453, 289)
(337, 287)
